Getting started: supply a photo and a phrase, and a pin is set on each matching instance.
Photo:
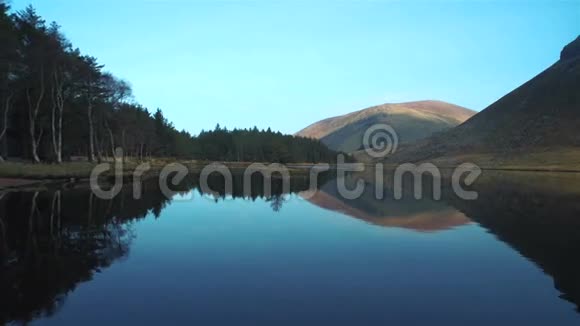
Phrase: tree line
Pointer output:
(253, 145)
(57, 103)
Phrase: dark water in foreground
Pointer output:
(511, 257)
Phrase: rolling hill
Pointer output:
(412, 121)
(535, 125)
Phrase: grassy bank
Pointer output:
(77, 170)
(549, 161)
(546, 160)
(46, 171)
(82, 170)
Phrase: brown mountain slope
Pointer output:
(412, 121)
(541, 116)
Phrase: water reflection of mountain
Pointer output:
(536, 214)
(51, 241)
(541, 220)
(409, 213)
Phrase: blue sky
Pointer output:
(286, 64)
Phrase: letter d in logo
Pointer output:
(104, 167)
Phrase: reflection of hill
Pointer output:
(45, 252)
(418, 215)
(543, 226)
(536, 214)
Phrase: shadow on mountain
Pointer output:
(534, 126)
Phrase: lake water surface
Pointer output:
(510, 257)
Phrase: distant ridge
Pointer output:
(412, 121)
(542, 115)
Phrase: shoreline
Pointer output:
(505, 168)
(19, 175)
(13, 177)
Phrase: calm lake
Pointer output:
(510, 257)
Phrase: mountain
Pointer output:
(412, 121)
(536, 124)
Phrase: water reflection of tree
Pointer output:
(50, 241)
(276, 202)
(277, 195)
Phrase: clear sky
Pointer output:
(286, 64)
